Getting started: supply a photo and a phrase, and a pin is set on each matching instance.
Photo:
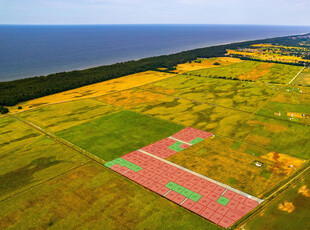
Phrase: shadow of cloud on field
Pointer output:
(24, 176)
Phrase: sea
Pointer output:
(35, 50)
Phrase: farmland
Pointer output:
(252, 70)
(303, 78)
(142, 126)
(290, 211)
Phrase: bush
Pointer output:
(216, 63)
(19, 107)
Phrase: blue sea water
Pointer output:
(27, 51)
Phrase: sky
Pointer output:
(262, 12)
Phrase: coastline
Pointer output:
(185, 37)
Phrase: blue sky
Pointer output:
(267, 12)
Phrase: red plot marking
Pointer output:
(243, 208)
(196, 188)
(251, 203)
(202, 183)
(204, 201)
(163, 181)
(232, 215)
(232, 204)
(213, 196)
(205, 192)
(179, 199)
(195, 179)
(216, 217)
(196, 208)
(171, 195)
(180, 181)
(188, 184)
(211, 186)
(162, 191)
(219, 190)
(225, 222)
(239, 198)
(188, 203)
(222, 210)
(213, 205)
(186, 176)
(229, 194)
(207, 213)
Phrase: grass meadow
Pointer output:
(94, 197)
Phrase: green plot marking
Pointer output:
(223, 200)
(122, 162)
(171, 185)
(109, 164)
(196, 140)
(186, 192)
(178, 189)
(195, 196)
(176, 146)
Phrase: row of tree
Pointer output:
(16, 91)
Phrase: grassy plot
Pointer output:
(289, 211)
(95, 90)
(65, 115)
(28, 158)
(114, 135)
(252, 70)
(303, 78)
(234, 94)
(233, 163)
(92, 197)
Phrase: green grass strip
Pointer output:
(196, 140)
(223, 200)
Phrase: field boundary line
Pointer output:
(297, 75)
(42, 182)
(204, 177)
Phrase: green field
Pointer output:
(114, 135)
(277, 73)
(294, 214)
(29, 158)
(93, 197)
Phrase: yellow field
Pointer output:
(266, 56)
(95, 90)
(206, 63)
(282, 163)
